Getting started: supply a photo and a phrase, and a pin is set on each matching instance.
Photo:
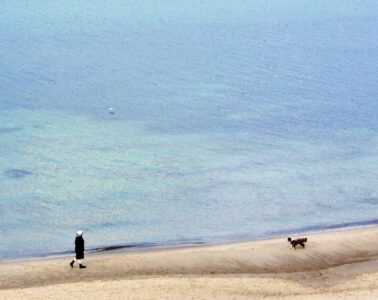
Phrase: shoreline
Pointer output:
(324, 250)
(173, 244)
(336, 264)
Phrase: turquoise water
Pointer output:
(232, 120)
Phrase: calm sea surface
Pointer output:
(233, 119)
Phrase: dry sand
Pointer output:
(339, 264)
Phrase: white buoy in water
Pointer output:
(111, 110)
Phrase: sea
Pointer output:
(166, 123)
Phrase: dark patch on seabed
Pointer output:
(10, 129)
(370, 200)
(17, 173)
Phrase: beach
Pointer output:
(337, 264)
(187, 139)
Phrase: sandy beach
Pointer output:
(339, 264)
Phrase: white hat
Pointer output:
(79, 233)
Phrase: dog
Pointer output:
(295, 242)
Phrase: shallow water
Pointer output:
(231, 120)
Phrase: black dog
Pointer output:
(300, 241)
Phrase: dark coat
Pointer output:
(79, 247)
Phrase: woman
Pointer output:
(79, 249)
